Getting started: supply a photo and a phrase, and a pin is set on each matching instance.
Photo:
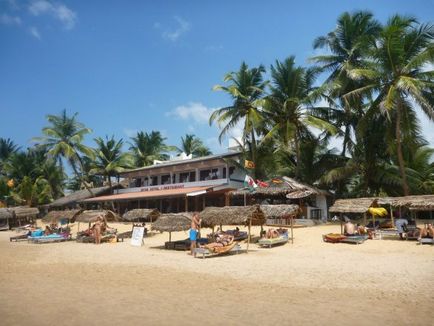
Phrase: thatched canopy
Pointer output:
(172, 222)
(280, 187)
(232, 215)
(140, 214)
(361, 205)
(56, 216)
(5, 214)
(91, 216)
(280, 211)
(354, 205)
(24, 211)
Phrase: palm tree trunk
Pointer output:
(110, 183)
(253, 149)
(80, 176)
(399, 149)
(298, 155)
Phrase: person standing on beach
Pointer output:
(97, 229)
(194, 230)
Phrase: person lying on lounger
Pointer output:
(349, 228)
(427, 231)
(47, 231)
(274, 233)
(222, 240)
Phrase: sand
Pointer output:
(310, 282)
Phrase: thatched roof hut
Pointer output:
(354, 205)
(141, 214)
(56, 216)
(5, 214)
(232, 215)
(24, 211)
(284, 187)
(91, 216)
(173, 222)
(280, 211)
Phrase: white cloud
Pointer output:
(193, 111)
(10, 20)
(171, 34)
(57, 10)
(34, 32)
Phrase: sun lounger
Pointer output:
(19, 237)
(340, 238)
(426, 241)
(265, 242)
(183, 244)
(203, 252)
(49, 238)
(381, 233)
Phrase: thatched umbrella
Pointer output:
(233, 215)
(91, 216)
(282, 212)
(141, 214)
(24, 212)
(172, 222)
(56, 216)
(5, 214)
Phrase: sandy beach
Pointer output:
(387, 282)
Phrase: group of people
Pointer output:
(274, 233)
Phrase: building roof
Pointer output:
(80, 195)
(150, 194)
(181, 162)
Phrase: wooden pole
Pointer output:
(170, 236)
(186, 203)
(391, 214)
(249, 237)
(292, 229)
(364, 218)
(340, 219)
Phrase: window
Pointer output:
(187, 177)
(204, 175)
(138, 182)
(231, 171)
(224, 173)
(214, 174)
(174, 178)
(165, 179)
(154, 181)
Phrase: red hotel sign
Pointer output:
(164, 187)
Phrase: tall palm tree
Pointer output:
(109, 159)
(7, 148)
(398, 78)
(354, 34)
(286, 108)
(146, 148)
(190, 144)
(64, 139)
(246, 88)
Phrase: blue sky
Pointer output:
(126, 66)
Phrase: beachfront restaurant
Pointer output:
(178, 185)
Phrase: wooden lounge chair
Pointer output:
(426, 241)
(340, 238)
(270, 242)
(203, 252)
(19, 237)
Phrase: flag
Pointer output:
(10, 183)
(249, 164)
(250, 182)
(275, 180)
(261, 184)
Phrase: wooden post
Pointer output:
(364, 219)
(78, 227)
(292, 229)
(391, 214)
(245, 200)
(249, 237)
(340, 219)
(186, 203)
(227, 203)
(170, 236)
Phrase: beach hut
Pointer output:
(141, 215)
(5, 216)
(24, 214)
(233, 215)
(281, 215)
(172, 222)
(56, 216)
(287, 189)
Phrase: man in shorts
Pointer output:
(194, 230)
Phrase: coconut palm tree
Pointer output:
(246, 88)
(287, 110)
(354, 34)
(146, 148)
(398, 77)
(109, 159)
(190, 144)
(7, 148)
(63, 138)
